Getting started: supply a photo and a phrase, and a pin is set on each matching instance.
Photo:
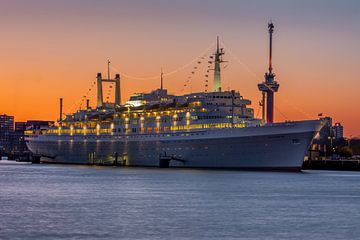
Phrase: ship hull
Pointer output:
(276, 147)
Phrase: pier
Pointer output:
(338, 165)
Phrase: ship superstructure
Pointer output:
(203, 129)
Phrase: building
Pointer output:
(326, 131)
(7, 123)
(18, 138)
(20, 126)
(12, 136)
(338, 131)
(6, 132)
(354, 144)
(329, 140)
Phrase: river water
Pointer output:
(61, 202)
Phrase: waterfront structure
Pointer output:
(329, 141)
(203, 129)
(330, 130)
(20, 126)
(7, 122)
(338, 130)
(12, 136)
(18, 139)
(269, 86)
(6, 130)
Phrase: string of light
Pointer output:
(197, 60)
(129, 76)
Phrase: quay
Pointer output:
(338, 164)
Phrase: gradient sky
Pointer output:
(55, 48)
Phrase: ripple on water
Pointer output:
(61, 202)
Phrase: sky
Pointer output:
(51, 49)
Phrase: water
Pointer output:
(61, 202)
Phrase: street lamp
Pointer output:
(331, 138)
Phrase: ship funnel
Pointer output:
(87, 104)
(99, 91)
(61, 110)
(117, 90)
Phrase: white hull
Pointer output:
(277, 146)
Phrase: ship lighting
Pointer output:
(142, 120)
(71, 130)
(97, 129)
(158, 120)
(112, 128)
(188, 117)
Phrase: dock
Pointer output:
(339, 165)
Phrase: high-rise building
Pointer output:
(338, 130)
(18, 139)
(326, 131)
(6, 131)
(7, 122)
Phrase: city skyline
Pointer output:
(54, 49)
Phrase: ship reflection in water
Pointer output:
(81, 202)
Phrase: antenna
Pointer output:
(161, 80)
(271, 31)
(108, 68)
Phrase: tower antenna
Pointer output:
(271, 31)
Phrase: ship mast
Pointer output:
(218, 60)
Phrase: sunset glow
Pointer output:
(53, 49)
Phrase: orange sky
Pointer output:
(52, 49)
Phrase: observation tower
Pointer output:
(269, 86)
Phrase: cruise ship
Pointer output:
(210, 129)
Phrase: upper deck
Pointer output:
(154, 113)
